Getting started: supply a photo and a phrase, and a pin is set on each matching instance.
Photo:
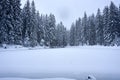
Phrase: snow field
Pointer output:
(70, 62)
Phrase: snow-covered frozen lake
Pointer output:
(35, 79)
(71, 63)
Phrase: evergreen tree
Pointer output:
(113, 22)
(78, 28)
(99, 28)
(40, 33)
(16, 21)
(85, 28)
(51, 33)
(46, 31)
(61, 35)
(72, 35)
(6, 18)
(3, 26)
(91, 30)
(68, 37)
(26, 23)
(119, 22)
(118, 28)
(106, 29)
(65, 37)
(33, 27)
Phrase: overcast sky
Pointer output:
(68, 11)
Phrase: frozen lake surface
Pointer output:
(71, 63)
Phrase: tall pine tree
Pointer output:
(92, 30)
(26, 23)
(33, 26)
(72, 35)
(85, 28)
(113, 22)
(17, 22)
(106, 29)
(99, 28)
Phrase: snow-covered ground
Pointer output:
(60, 64)
(35, 79)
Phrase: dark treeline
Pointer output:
(29, 28)
(100, 29)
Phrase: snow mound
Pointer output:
(91, 77)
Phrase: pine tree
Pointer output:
(106, 29)
(40, 33)
(26, 20)
(68, 37)
(72, 35)
(78, 28)
(65, 38)
(99, 28)
(16, 22)
(85, 28)
(92, 30)
(119, 22)
(33, 27)
(3, 25)
(51, 33)
(6, 18)
(61, 35)
(58, 34)
(46, 31)
(113, 22)
(76, 33)
(118, 28)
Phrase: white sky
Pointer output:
(68, 11)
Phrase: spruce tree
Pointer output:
(92, 30)
(99, 28)
(113, 22)
(106, 29)
(61, 35)
(51, 33)
(119, 22)
(72, 35)
(6, 18)
(78, 28)
(46, 31)
(65, 38)
(85, 28)
(26, 23)
(16, 21)
(40, 32)
(33, 27)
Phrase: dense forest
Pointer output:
(26, 26)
